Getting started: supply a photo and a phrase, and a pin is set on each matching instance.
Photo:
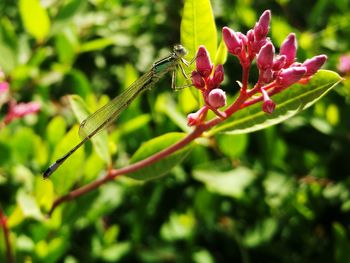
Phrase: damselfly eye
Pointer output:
(179, 50)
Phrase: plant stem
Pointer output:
(3, 223)
(197, 132)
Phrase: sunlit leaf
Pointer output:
(221, 54)
(229, 183)
(163, 166)
(289, 102)
(96, 44)
(29, 206)
(44, 193)
(198, 27)
(35, 18)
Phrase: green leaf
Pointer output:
(228, 183)
(29, 206)
(96, 44)
(261, 233)
(341, 243)
(232, 145)
(198, 27)
(163, 166)
(8, 45)
(66, 44)
(99, 141)
(56, 130)
(71, 169)
(289, 102)
(35, 19)
(221, 54)
(179, 227)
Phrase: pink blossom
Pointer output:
(344, 64)
(265, 56)
(313, 64)
(4, 87)
(197, 80)
(268, 105)
(279, 62)
(289, 49)
(21, 109)
(217, 98)
(197, 117)
(289, 76)
(261, 28)
(203, 63)
(232, 41)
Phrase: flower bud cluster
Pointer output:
(207, 79)
(275, 70)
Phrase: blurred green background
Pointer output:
(277, 195)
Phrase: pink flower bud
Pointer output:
(197, 117)
(4, 86)
(266, 75)
(289, 49)
(242, 37)
(261, 28)
(268, 105)
(265, 56)
(21, 109)
(314, 64)
(218, 75)
(232, 41)
(203, 63)
(257, 45)
(344, 64)
(289, 76)
(197, 80)
(217, 98)
(279, 62)
(250, 36)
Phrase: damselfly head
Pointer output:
(180, 51)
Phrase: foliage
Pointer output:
(278, 194)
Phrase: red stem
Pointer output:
(197, 132)
(5, 229)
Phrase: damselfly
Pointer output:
(109, 112)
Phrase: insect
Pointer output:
(104, 116)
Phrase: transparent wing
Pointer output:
(109, 112)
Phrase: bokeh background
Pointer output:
(276, 195)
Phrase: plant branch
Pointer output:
(113, 173)
(5, 229)
(197, 132)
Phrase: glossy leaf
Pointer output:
(35, 18)
(163, 166)
(289, 102)
(198, 27)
